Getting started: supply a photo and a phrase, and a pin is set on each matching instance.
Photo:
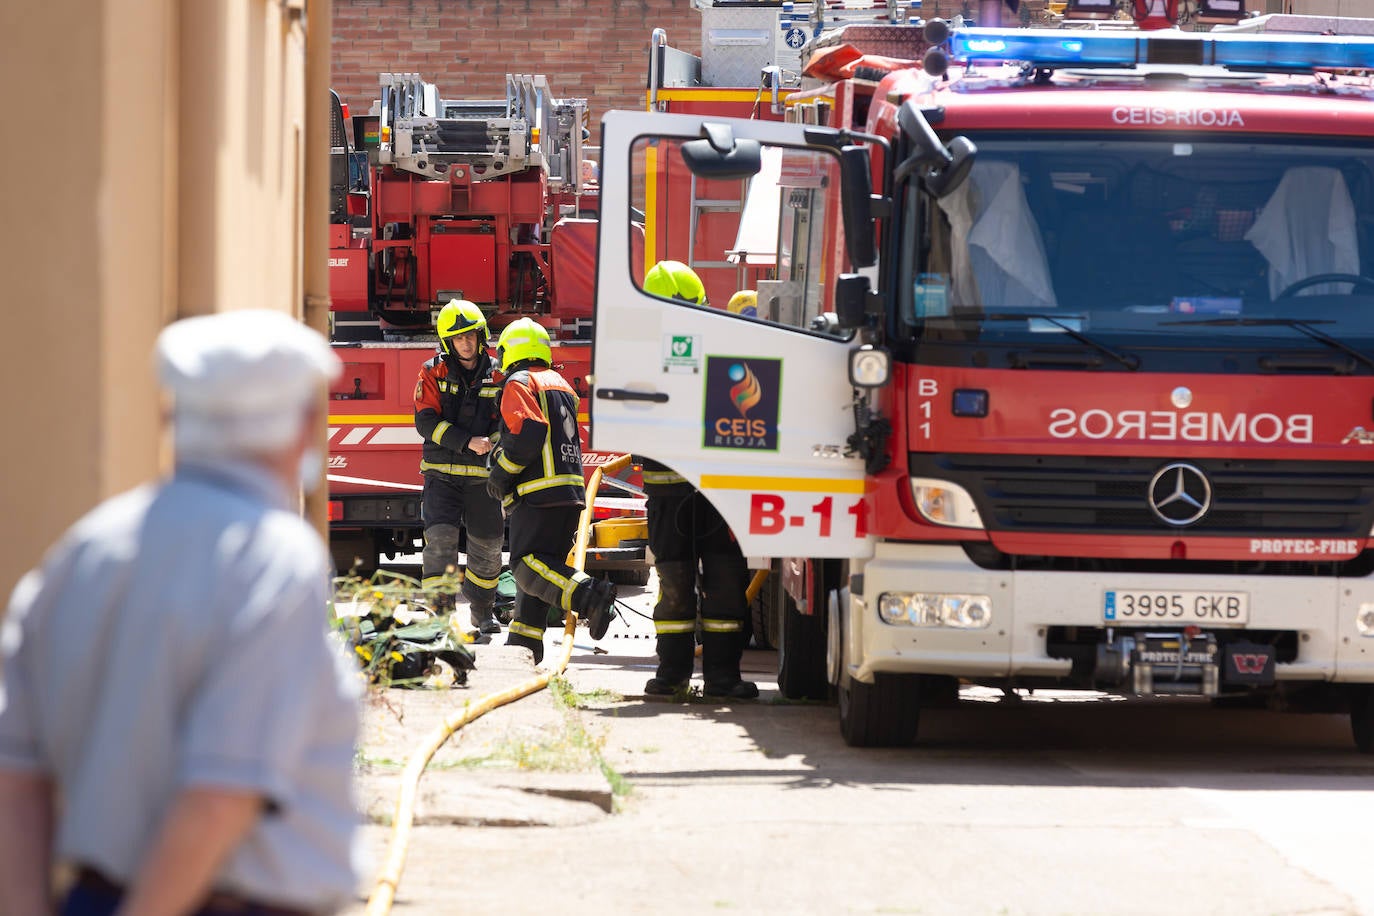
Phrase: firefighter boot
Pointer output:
(484, 620)
(675, 615)
(527, 629)
(724, 581)
(594, 601)
(720, 658)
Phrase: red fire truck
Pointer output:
(1065, 373)
(433, 200)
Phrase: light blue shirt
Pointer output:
(176, 637)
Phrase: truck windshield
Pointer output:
(1133, 246)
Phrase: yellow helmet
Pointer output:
(459, 317)
(675, 280)
(744, 302)
(524, 339)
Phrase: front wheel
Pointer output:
(886, 713)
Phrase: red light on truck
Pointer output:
(1179, 551)
(336, 510)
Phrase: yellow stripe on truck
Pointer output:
(773, 484)
(380, 419)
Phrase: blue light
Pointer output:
(1044, 47)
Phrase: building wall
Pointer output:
(165, 182)
(598, 50)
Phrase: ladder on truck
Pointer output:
(430, 136)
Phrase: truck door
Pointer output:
(750, 401)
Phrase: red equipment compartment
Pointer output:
(461, 262)
(347, 276)
(358, 382)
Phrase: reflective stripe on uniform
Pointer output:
(457, 470)
(437, 437)
(721, 626)
(443, 580)
(663, 477)
(560, 581)
(488, 392)
(523, 629)
(544, 483)
(478, 580)
(508, 465)
(665, 627)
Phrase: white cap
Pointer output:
(242, 381)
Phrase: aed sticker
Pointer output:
(741, 403)
(929, 296)
(682, 353)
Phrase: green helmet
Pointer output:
(459, 317)
(675, 280)
(524, 339)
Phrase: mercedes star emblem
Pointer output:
(1180, 494)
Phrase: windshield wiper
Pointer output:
(1130, 361)
(1294, 323)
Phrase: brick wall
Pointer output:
(593, 49)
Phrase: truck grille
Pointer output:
(1110, 496)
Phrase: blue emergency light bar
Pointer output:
(1054, 48)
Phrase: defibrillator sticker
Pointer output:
(742, 397)
(682, 353)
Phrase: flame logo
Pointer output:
(746, 392)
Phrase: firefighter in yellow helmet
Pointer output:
(455, 414)
(675, 280)
(692, 544)
(536, 473)
(745, 302)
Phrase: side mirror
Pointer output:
(851, 301)
(720, 155)
(943, 168)
(856, 184)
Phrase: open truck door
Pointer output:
(752, 402)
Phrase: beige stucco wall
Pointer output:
(152, 163)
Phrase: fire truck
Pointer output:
(1062, 373)
(432, 200)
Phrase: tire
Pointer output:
(886, 713)
(1362, 717)
(639, 576)
(801, 648)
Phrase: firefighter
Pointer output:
(689, 539)
(536, 473)
(455, 414)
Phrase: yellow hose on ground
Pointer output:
(384, 892)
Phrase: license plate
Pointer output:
(1217, 609)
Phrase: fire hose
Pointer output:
(384, 891)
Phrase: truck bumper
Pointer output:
(1322, 612)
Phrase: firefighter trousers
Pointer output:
(540, 538)
(451, 502)
(691, 543)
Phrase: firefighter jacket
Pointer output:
(452, 406)
(539, 461)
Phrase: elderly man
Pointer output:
(175, 724)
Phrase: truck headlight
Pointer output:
(935, 609)
(1364, 620)
(869, 366)
(943, 503)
